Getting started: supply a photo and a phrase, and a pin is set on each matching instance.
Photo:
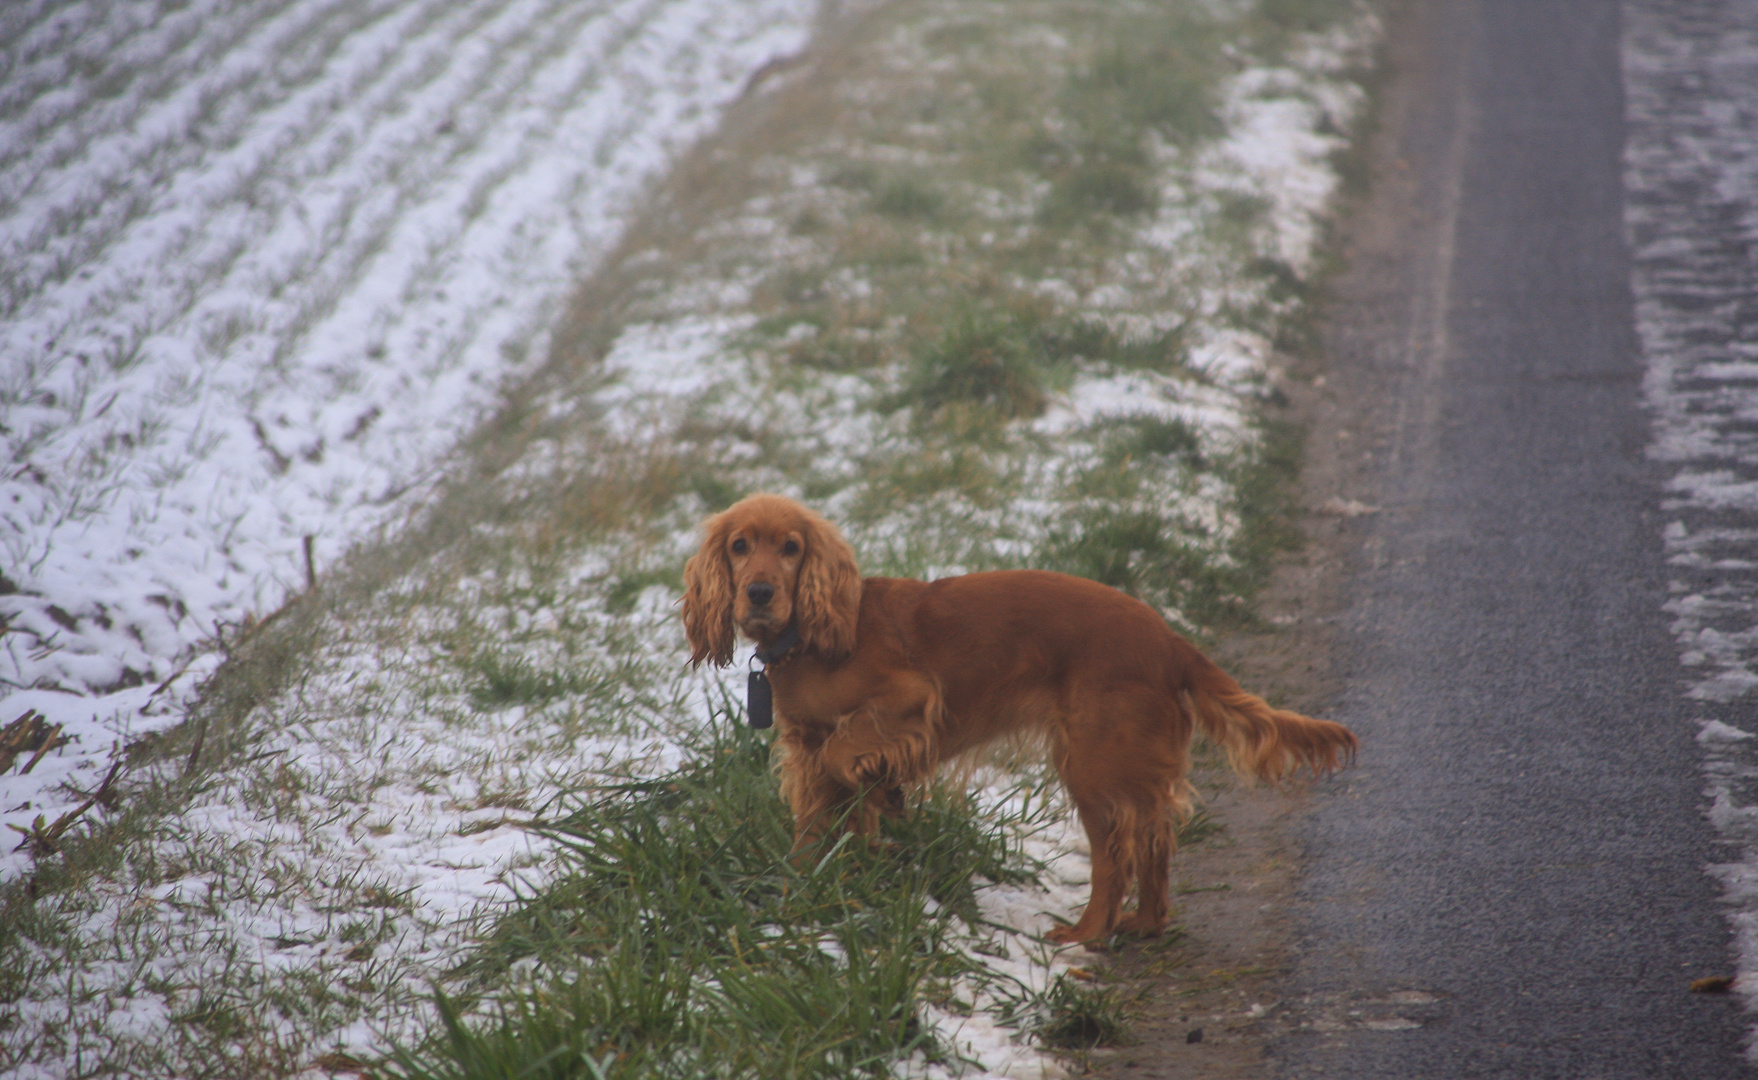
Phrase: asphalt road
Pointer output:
(1512, 883)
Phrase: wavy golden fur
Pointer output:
(892, 678)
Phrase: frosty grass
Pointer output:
(393, 216)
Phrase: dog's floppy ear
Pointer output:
(708, 598)
(827, 597)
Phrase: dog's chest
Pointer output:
(809, 693)
(805, 702)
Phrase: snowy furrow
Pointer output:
(83, 144)
(130, 60)
(48, 51)
(215, 152)
(276, 316)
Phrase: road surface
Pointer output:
(1514, 881)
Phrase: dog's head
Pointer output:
(766, 563)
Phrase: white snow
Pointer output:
(264, 270)
(1690, 80)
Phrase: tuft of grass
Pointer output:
(1196, 828)
(681, 939)
(1147, 553)
(1092, 340)
(991, 361)
(1082, 1016)
(908, 197)
(1266, 489)
(1154, 436)
(1161, 82)
(505, 681)
(1101, 183)
(854, 175)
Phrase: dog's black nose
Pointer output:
(760, 593)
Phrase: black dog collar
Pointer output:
(759, 699)
(781, 646)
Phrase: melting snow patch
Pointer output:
(1715, 732)
(1688, 72)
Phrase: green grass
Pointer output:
(909, 197)
(1084, 1017)
(516, 680)
(967, 249)
(1150, 554)
(992, 361)
(680, 939)
(1154, 437)
(1164, 351)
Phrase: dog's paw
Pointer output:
(1141, 926)
(887, 848)
(1073, 935)
(870, 770)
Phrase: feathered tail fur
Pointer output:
(1264, 743)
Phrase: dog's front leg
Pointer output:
(839, 783)
(854, 770)
(813, 792)
(883, 747)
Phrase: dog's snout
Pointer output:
(760, 593)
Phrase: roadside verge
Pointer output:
(991, 288)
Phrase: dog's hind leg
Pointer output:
(1153, 858)
(1110, 877)
(1123, 759)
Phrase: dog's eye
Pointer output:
(792, 547)
(739, 546)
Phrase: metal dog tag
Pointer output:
(759, 701)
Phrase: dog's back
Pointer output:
(1017, 648)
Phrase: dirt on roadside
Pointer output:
(1225, 976)
(1208, 993)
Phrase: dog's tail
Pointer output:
(1262, 743)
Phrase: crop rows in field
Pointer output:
(267, 262)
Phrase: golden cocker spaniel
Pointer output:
(877, 682)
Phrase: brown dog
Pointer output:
(889, 678)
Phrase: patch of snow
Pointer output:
(1714, 732)
(262, 291)
(256, 294)
(1690, 77)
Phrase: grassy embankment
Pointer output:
(991, 287)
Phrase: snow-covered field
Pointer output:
(264, 264)
(1691, 78)
(272, 262)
